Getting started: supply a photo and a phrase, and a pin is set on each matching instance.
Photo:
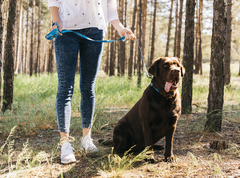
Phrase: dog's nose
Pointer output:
(175, 71)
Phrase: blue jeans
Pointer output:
(67, 47)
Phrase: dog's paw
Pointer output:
(170, 159)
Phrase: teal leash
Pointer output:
(55, 33)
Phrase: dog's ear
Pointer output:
(154, 69)
(182, 70)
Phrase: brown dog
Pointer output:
(155, 115)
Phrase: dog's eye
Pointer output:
(175, 63)
(165, 66)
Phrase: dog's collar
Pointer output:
(169, 95)
(154, 87)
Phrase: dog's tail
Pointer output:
(106, 142)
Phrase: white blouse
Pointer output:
(79, 14)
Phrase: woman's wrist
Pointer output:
(117, 25)
(55, 14)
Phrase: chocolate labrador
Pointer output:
(155, 115)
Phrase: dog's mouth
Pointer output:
(173, 85)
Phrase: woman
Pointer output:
(88, 17)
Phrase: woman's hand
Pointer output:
(55, 18)
(122, 31)
(55, 26)
(129, 35)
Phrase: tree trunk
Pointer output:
(17, 23)
(18, 50)
(169, 29)
(1, 36)
(5, 20)
(216, 85)
(121, 50)
(144, 23)
(188, 55)
(179, 30)
(153, 33)
(9, 58)
(228, 43)
(37, 64)
(176, 31)
(112, 54)
(120, 45)
(25, 62)
(50, 58)
(140, 44)
(197, 40)
(32, 36)
(130, 61)
(200, 37)
(22, 45)
(106, 68)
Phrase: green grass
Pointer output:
(33, 113)
(33, 107)
(34, 100)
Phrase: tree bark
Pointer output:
(32, 40)
(140, 44)
(50, 58)
(176, 30)
(188, 55)
(144, 24)
(37, 63)
(1, 36)
(228, 43)
(121, 56)
(197, 39)
(25, 62)
(18, 50)
(22, 45)
(9, 58)
(153, 33)
(216, 85)
(112, 54)
(130, 60)
(169, 29)
(200, 37)
(106, 68)
(179, 30)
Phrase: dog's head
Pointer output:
(167, 71)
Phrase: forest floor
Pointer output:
(194, 157)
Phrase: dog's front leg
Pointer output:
(169, 144)
(148, 141)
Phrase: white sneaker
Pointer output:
(88, 145)
(67, 155)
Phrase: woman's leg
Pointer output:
(66, 49)
(90, 59)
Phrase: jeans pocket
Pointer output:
(94, 33)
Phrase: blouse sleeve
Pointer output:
(55, 3)
(111, 10)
